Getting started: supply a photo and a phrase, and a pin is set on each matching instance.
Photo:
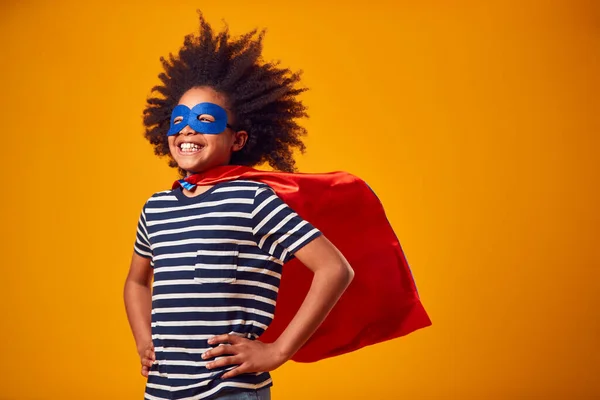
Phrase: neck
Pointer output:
(209, 170)
(213, 175)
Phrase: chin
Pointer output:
(198, 166)
(193, 168)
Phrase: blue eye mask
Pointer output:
(190, 117)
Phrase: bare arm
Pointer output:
(332, 275)
(138, 304)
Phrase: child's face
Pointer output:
(204, 151)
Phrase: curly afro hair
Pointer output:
(262, 97)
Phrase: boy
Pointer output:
(216, 252)
(215, 246)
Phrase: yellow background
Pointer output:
(477, 124)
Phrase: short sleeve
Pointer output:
(279, 230)
(142, 245)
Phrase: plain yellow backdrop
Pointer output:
(477, 124)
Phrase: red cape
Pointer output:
(382, 302)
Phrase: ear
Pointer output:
(239, 140)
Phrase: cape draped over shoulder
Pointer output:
(381, 303)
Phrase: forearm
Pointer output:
(327, 286)
(138, 304)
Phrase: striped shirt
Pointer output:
(217, 261)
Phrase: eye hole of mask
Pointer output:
(206, 118)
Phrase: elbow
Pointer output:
(127, 289)
(346, 273)
(349, 272)
(336, 274)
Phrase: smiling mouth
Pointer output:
(189, 148)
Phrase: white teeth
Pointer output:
(189, 146)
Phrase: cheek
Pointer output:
(217, 141)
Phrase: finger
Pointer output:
(224, 362)
(147, 362)
(233, 339)
(145, 371)
(218, 351)
(242, 369)
(150, 354)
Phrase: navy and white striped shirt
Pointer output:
(217, 261)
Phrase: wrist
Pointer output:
(282, 352)
(142, 346)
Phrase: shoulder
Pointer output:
(252, 192)
(160, 198)
(164, 195)
(247, 187)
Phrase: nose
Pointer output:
(187, 130)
